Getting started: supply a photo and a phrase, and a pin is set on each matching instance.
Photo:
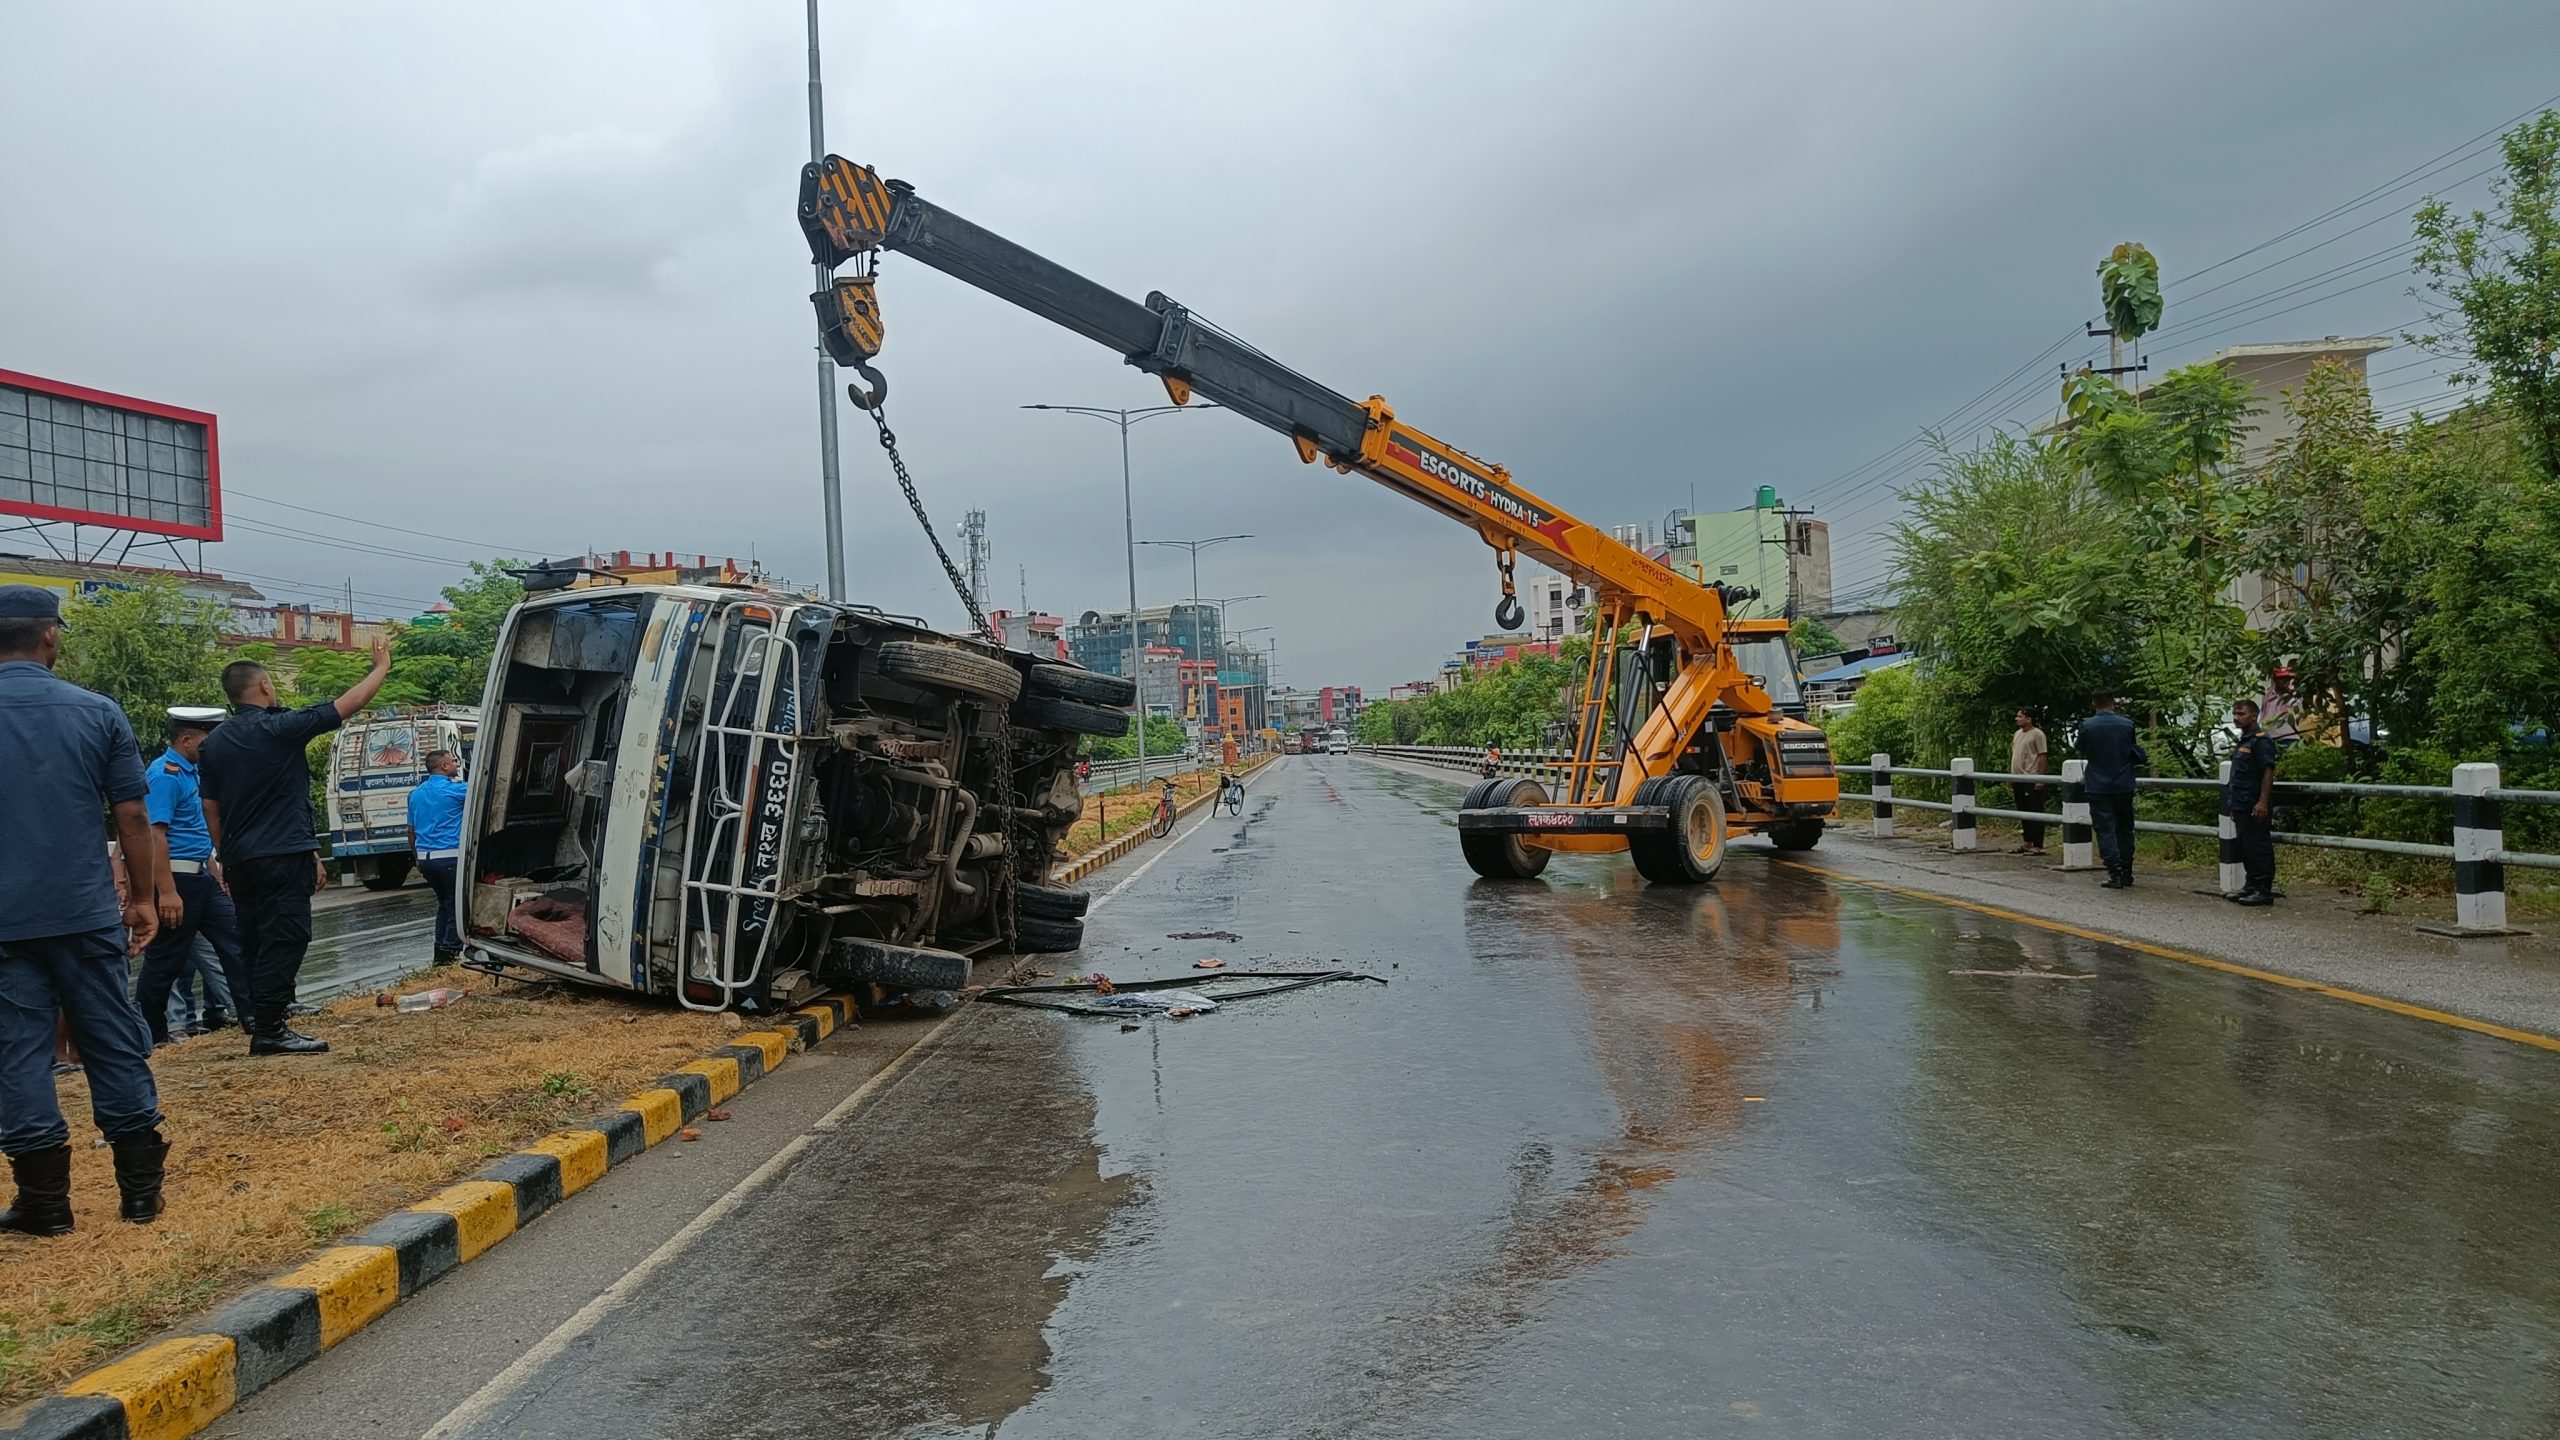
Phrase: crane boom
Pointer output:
(1163, 338)
(1771, 772)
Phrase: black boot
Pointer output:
(43, 1206)
(268, 1036)
(141, 1161)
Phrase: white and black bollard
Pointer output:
(1880, 785)
(2076, 847)
(1961, 768)
(2235, 876)
(2479, 883)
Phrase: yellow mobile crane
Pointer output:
(1674, 745)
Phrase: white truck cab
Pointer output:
(738, 797)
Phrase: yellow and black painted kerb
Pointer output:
(181, 1383)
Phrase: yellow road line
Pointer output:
(2189, 957)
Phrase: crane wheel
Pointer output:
(1691, 850)
(1496, 856)
(1796, 834)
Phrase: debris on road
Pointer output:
(688, 1133)
(715, 1114)
(2031, 974)
(1150, 996)
(1212, 963)
(1229, 936)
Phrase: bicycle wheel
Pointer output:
(1164, 821)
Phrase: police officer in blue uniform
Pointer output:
(193, 899)
(2249, 801)
(435, 830)
(257, 802)
(68, 762)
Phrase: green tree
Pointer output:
(146, 647)
(1811, 637)
(2016, 571)
(2495, 274)
(1164, 737)
(2129, 289)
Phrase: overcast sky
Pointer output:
(526, 276)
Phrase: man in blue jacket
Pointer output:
(2107, 743)
(435, 829)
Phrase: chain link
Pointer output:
(889, 441)
(1008, 890)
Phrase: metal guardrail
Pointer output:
(2479, 853)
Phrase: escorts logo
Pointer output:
(1547, 819)
(1405, 447)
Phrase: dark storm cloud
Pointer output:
(528, 276)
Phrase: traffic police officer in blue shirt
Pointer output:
(193, 899)
(435, 829)
(257, 802)
(2249, 801)
(67, 761)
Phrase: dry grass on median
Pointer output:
(277, 1156)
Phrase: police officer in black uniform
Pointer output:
(257, 802)
(2249, 801)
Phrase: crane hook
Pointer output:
(1507, 613)
(867, 399)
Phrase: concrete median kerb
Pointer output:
(178, 1384)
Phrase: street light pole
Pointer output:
(1195, 547)
(1129, 528)
(830, 480)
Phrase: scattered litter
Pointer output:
(2032, 974)
(453, 1124)
(1125, 1029)
(1229, 936)
(1756, 1099)
(688, 1133)
(1147, 997)
(715, 1114)
(1212, 963)
(435, 999)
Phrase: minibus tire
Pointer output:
(1075, 682)
(1052, 712)
(949, 667)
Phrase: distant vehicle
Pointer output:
(1337, 742)
(373, 765)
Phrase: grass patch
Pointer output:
(275, 1156)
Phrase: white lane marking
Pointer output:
(1107, 896)
(485, 1402)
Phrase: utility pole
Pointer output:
(1794, 538)
(1195, 547)
(830, 481)
(973, 536)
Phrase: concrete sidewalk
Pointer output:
(2310, 935)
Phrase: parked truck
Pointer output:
(374, 763)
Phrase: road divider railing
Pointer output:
(2479, 854)
(1535, 764)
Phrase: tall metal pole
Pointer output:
(831, 483)
(1129, 532)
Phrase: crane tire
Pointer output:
(1493, 854)
(1795, 834)
(1691, 849)
(948, 667)
(1074, 682)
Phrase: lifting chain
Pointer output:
(1009, 825)
(879, 412)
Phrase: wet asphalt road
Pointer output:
(1777, 1156)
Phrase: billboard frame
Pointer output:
(109, 520)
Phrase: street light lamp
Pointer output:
(1195, 547)
(1129, 525)
(1222, 605)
